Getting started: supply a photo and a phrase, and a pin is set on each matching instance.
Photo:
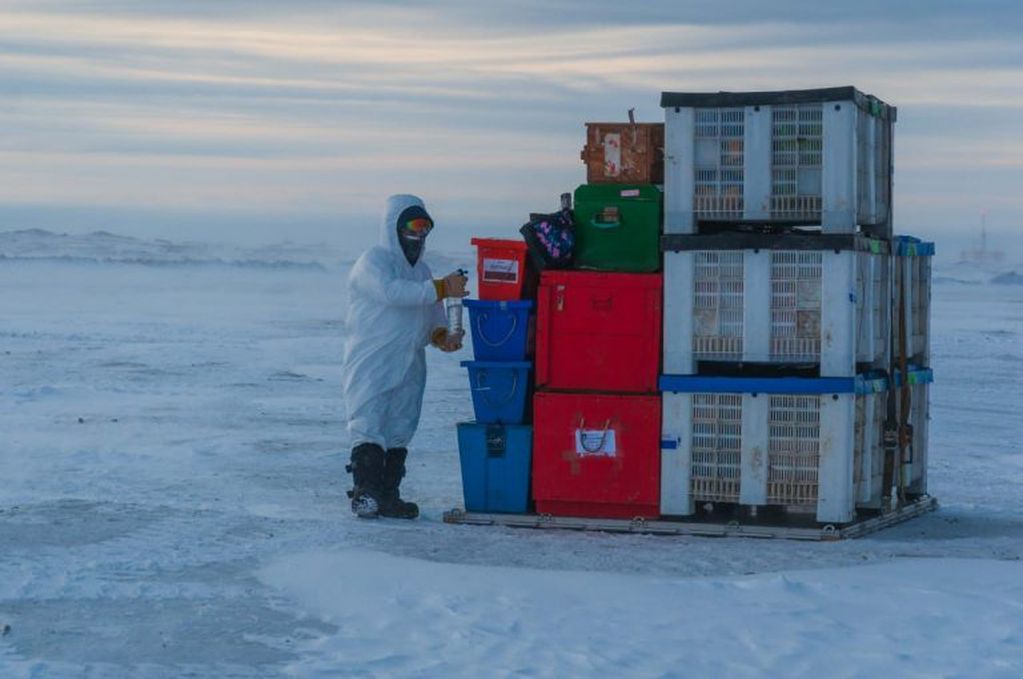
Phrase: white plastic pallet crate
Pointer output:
(788, 299)
(813, 157)
(793, 442)
(912, 284)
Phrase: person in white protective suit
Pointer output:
(395, 309)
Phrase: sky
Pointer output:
(257, 121)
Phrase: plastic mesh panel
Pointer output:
(793, 457)
(796, 306)
(921, 306)
(716, 446)
(797, 154)
(880, 307)
(917, 341)
(865, 158)
(718, 166)
(882, 167)
(718, 306)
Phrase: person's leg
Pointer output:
(366, 432)
(367, 421)
(399, 428)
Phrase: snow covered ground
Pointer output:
(171, 504)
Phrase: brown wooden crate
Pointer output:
(634, 153)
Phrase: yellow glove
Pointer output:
(452, 285)
(445, 341)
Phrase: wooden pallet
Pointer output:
(732, 529)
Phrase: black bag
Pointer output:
(550, 239)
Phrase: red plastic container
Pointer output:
(502, 270)
(597, 455)
(598, 331)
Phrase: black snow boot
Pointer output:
(392, 505)
(367, 469)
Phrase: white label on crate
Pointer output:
(612, 154)
(500, 270)
(595, 442)
(629, 193)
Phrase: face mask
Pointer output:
(413, 227)
(411, 245)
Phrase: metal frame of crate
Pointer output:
(776, 299)
(781, 427)
(800, 157)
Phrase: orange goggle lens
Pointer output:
(420, 225)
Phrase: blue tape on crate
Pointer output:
(908, 246)
(917, 375)
(699, 384)
(669, 444)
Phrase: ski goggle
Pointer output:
(419, 226)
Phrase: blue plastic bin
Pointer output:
(500, 390)
(500, 330)
(496, 462)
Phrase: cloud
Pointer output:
(326, 106)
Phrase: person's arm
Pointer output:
(439, 336)
(369, 278)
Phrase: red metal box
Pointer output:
(597, 455)
(624, 153)
(598, 331)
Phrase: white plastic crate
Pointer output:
(811, 157)
(912, 283)
(759, 441)
(780, 306)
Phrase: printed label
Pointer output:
(612, 154)
(500, 270)
(497, 440)
(629, 193)
(595, 442)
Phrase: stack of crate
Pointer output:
(495, 449)
(778, 352)
(597, 407)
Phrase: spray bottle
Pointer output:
(453, 306)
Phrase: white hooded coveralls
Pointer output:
(393, 309)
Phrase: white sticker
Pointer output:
(500, 270)
(629, 193)
(595, 442)
(612, 154)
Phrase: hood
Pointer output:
(397, 204)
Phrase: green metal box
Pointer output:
(618, 227)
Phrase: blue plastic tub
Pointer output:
(495, 466)
(500, 330)
(500, 390)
